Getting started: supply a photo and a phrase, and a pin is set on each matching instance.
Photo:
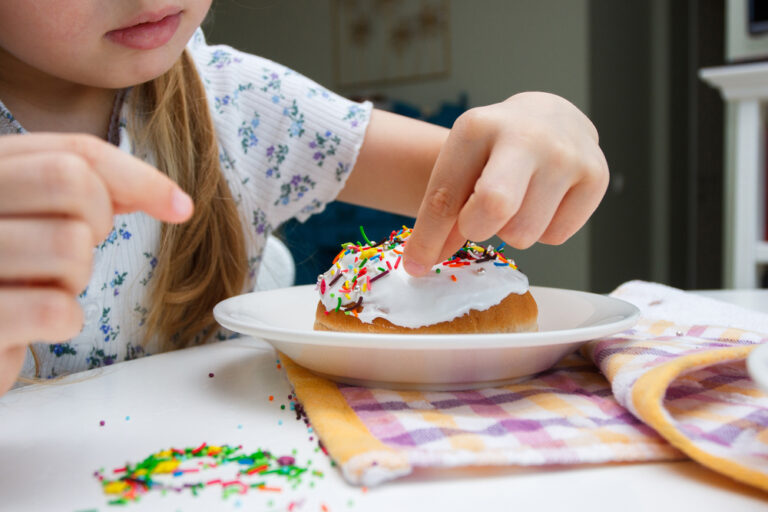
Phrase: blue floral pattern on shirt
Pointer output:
(247, 133)
(118, 234)
(272, 85)
(276, 156)
(230, 100)
(221, 58)
(296, 129)
(324, 145)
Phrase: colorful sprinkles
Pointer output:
(374, 261)
(227, 468)
(254, 471)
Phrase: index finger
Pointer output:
(456, 170)
(132, 184)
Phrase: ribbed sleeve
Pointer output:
(287, 144)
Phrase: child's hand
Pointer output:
(528, 169)
(58, 194)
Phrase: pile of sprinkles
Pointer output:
(255, 470)
(373, 261)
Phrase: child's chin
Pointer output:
(141, 70)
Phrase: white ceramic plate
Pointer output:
(757, 365)
(284, 317)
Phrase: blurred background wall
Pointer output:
(631, 66)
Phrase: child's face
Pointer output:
(99, 43)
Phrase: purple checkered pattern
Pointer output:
(566, 415)
(585, 409)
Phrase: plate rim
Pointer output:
(430, 341)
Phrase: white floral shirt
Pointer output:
(286, 147)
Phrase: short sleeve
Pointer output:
(287, 145)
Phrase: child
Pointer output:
(252, 144)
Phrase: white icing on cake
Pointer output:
(417, 301)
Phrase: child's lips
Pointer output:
(148, 35)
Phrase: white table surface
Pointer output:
(51, 442)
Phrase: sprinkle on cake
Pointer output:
(368, 280)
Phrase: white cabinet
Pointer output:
(745, 88)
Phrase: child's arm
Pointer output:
(58, 194)
(528, 169)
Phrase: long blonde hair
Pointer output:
(203, 260)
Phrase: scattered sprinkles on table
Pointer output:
(256, 471)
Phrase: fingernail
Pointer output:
(414, 268)
(182, 203)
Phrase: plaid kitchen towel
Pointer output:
(673, 386)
